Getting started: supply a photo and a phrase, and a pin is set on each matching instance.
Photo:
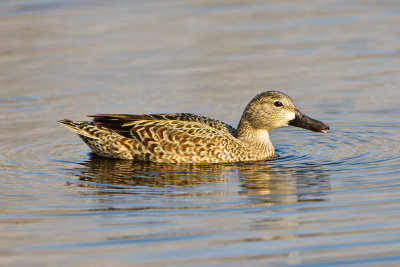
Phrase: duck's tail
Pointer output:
(82, 128)
(102, 141)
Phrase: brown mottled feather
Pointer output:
(120, 122)
(160, 140)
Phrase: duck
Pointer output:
(189, 138)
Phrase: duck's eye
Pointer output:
(278, 104)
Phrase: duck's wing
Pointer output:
(125, 123)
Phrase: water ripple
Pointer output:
(361, 149)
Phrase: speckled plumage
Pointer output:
(187, 138)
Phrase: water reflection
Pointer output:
(285, 185)
(262, 182)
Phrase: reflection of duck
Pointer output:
(188, 138)
(283, 185)
(126, 172)
(258, 180)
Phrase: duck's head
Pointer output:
(272, 109)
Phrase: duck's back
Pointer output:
(121, 122)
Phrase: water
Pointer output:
(327, 200)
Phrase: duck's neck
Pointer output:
(256, 140)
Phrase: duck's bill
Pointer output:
(303, 121)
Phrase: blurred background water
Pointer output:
(327, 200)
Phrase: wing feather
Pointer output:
(122, 123)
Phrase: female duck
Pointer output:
(188, 138)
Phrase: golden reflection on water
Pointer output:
(263, 183)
